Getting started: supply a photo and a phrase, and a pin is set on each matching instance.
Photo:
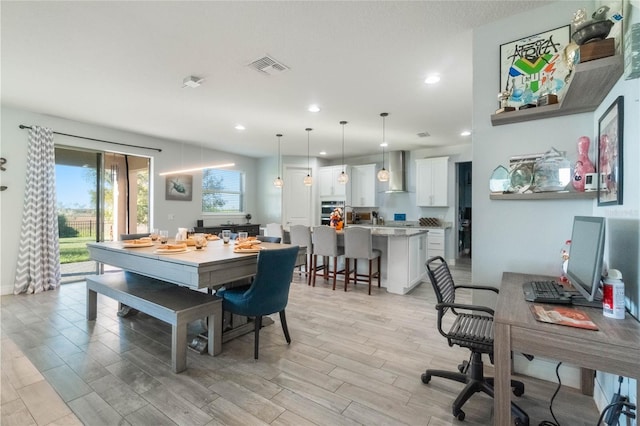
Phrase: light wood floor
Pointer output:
(354, 359)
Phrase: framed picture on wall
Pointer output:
(533, 66)
(179, 187)
(610, 129)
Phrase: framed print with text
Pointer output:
(533, 66)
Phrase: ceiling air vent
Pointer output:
(268, 65)
(423, 135)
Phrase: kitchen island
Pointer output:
(404, 253)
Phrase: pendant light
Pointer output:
(277, 182)
(343, 178)
(308, 180)
(383, 174)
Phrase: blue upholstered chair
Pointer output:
(267, 294)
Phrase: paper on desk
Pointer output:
(562, 315)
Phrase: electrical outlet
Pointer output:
(172, 216)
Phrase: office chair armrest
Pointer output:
(454, 306)
(478, 287)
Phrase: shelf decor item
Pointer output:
(583, 165)
(534, 66)
(610, 127)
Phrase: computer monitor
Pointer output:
(584, 268)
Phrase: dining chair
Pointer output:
(325, 244)
(301, 236)
(268, 239)
(267, 294)
(126, 237)
(273, 230)
(471, 327)
(358, 244)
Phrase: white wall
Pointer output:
(526, 236)
(174, 155)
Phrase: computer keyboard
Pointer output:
(546, 292)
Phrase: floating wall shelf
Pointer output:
(566, 195)
(590, 83)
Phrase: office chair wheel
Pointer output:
(520, 422)
(458, 414)
(426, 378)
(518, 389)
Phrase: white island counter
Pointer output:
(404, 253)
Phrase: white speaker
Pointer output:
(591, 182)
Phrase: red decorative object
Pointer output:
(583, 164)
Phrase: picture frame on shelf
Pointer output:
(533, 66)
(610, 132)
(179, 187)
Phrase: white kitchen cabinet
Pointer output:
(435, 243)
(328, 186)
(432, 182)
(405, 261)
(363, 185)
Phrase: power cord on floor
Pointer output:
(547, 422)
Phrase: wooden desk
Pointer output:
(214, 265)
(615, 348)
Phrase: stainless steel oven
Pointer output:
(326, 208)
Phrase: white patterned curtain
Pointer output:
(38, 267)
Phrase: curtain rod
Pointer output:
(22, 126)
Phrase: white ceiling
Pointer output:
(121, 64)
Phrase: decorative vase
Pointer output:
(564, 252)
(583, 164)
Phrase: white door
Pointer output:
(296, 198)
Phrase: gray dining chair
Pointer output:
(300, 236)
(325, 244)
(358, 244)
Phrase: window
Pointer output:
(222, 191)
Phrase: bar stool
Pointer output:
(300, 236)
(358, 244)
(325, 244)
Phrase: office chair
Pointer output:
(267, 294)
(469, 330)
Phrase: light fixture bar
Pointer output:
(214, 166)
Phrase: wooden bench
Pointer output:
(167, 302)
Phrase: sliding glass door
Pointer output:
(100, 195)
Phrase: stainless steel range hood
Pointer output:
(397, 178)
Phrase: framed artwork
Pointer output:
(610, 129)
(533, 66)
(179, 187)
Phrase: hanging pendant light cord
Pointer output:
(279, 136)
(343, 123)
(308, 162)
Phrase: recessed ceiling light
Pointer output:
(465, 133)
(384, 144)
(313, 108)
(432, 79)
(239, 127)
(323, 152)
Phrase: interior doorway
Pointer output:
(100, 195)
(296, 198)
(464, 210)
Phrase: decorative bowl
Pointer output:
(593, 31)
